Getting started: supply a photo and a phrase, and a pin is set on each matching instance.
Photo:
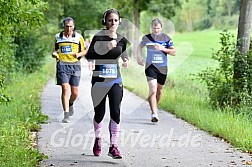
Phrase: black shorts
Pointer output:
(68, 73)
(158, 73)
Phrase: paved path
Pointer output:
(169, 143)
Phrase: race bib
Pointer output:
(66, 49)
(157, 58)
(108, 71)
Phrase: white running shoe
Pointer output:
(154, 117)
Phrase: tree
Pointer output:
(167, 8)
(193, 12)
(16, 17)
(243, 38)
(243, 44)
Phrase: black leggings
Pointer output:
(99, 94)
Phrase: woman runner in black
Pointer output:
(106, 47)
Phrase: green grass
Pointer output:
(186, 97)
(22, 116)
(203, 43)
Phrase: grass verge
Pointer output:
(21, 116)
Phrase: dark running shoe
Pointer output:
(114, 152)
(71, 110)
(97, 146)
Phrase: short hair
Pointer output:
(67, 19)
(156, 21)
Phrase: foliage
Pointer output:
(126, 7)
(198, 15)
(155, 7)
(225, 22)
(16, 17)
(52, 16)
(18, 14)
(187, 15)
(7, 50)
(3, 97)
(193, 12)
(22, 117)
(85, 20)
(30, 52)
(203, 23)
(15, 143)
(223, 7)
(90, 20)
(6, 64)
(220, 81)
(243, 77)
(19, 116)
(224, 13)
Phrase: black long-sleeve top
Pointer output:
(107, 70)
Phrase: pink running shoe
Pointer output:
(97, 146)
(114, 152)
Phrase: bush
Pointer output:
(204, 23)
(220, 81)
(3, 97)
(30, 52)
(225, 22)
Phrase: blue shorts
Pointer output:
(160, 73)
(68, 73)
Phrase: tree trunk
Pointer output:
(243, 43)
(243, 38)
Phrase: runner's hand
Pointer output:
(159, 47)
(112, 44)
(55, 55)
(76, 55)
(125, 64)
(140, 61)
